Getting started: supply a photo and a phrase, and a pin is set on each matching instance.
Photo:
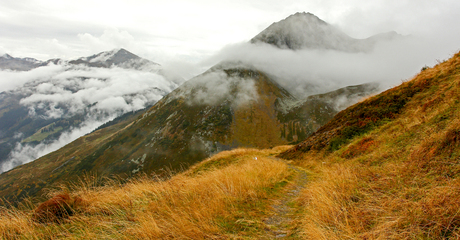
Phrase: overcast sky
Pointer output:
(192, 30)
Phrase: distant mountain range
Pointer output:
(231, 105)
(60, 101)
(18, 64)
(115, 58)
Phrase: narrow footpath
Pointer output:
(281, 224)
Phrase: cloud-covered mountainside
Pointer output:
(226, 107)
(49, 106)
(307, 56)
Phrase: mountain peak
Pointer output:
(6, 56)
(306, 31)
(119, 57)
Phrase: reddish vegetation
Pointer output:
(365, 116)
(359, 148)
(56, 209)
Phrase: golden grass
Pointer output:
(187, 206)
(400, 181)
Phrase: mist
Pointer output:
(60, 90)
(306, 72)
(24, 153)
(215, 86)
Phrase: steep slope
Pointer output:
(59, 100)
(305, 30)
(388, 167)
(223, 198)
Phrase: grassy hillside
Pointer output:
(385, 168)
(388, 167)
(30, 179)
(221, 198)
(188, 125)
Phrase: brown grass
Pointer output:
(187, 206)
(398, 181)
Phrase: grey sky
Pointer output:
(192, 30)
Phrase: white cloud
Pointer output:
(24, 153)
(75, 88)
(216, 86)
(62, 91)
(306, 72)
(110, 39)
(10, 80)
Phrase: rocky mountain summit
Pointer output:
(307, 31)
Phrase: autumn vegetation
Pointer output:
(399, 179)
(220, 198)
(385, 168)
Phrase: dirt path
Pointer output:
(280, 224)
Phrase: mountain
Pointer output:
(305, 30)
(226, 107)
(387, 167)
(114, 58)
(118, 58)
(63, 101)
(233, 104)
(18, 64)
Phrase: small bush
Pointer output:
(56, 209)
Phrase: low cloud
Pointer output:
(10, 80)
(63, 91)
(306, 72)
(110, 39)
(70, 90)
(216, 86)
(24, 153)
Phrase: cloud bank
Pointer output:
(24, 153)
(306, 72)
(97, 94)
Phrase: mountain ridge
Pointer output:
(118, 57)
